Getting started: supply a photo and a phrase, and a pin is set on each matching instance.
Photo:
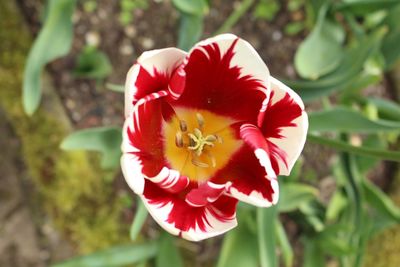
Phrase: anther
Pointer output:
(178, 139)
(200, 120)
(211, 138)
(183, 126)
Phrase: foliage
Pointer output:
(92, 63)
(53, 41)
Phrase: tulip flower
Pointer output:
(207, 129)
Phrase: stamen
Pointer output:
(200, 120)
(179, 139)
(199, 163)
(211, 138)
(183, 125)
(212, 158)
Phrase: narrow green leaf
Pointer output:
(116, 87)
(380, 201)
(239, 247)
(266, 219)
(287, 250)
(106, 140)
(386, 109)
(168, 254)
(390, 47)
(190, 30)
(233, 18)
(363, 151)
(191, 7)
(54, 41)
(340, 119)
(321, 52)
(117, 256)
(336, 205)
(313, 256)
(331, 243)
(138, 221)
(364, 7)
(292, 195)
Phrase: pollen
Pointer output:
(198, 143)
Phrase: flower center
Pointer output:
(198, 143)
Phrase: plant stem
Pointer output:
(235, 16)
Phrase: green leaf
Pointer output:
(191, 7)
(138, 221)
(292, 195)
(386, 109)
(266, 219)
(341, 119)
(390, 47)
(54, 41)
(350, 68)
(380, 201)
(336, 205)
(115, 87)
(117, 256)
(283, 240)
(313, 256)
(106, 140)
(168, 254)
(321, 52)
(190, 30)
(93, 64)
(364, 7)
(331, 243)
(235, 16)
(239, 247)
(356, 150)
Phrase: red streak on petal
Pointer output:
(246, 174)
(279, 115)
(147, 83)
(146, 134)
(213, 84)
(204, 194)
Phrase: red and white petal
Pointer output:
(192, 223)
(246, 179)
(142, 134)
(240, 190)
(253, 137)
(222, 75)
(245, 56)
(170, 180)
(285, 126)
(150, 74)
(132, 171)
(206, 193)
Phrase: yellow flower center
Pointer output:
(198, 143)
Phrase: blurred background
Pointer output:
(62, 68)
